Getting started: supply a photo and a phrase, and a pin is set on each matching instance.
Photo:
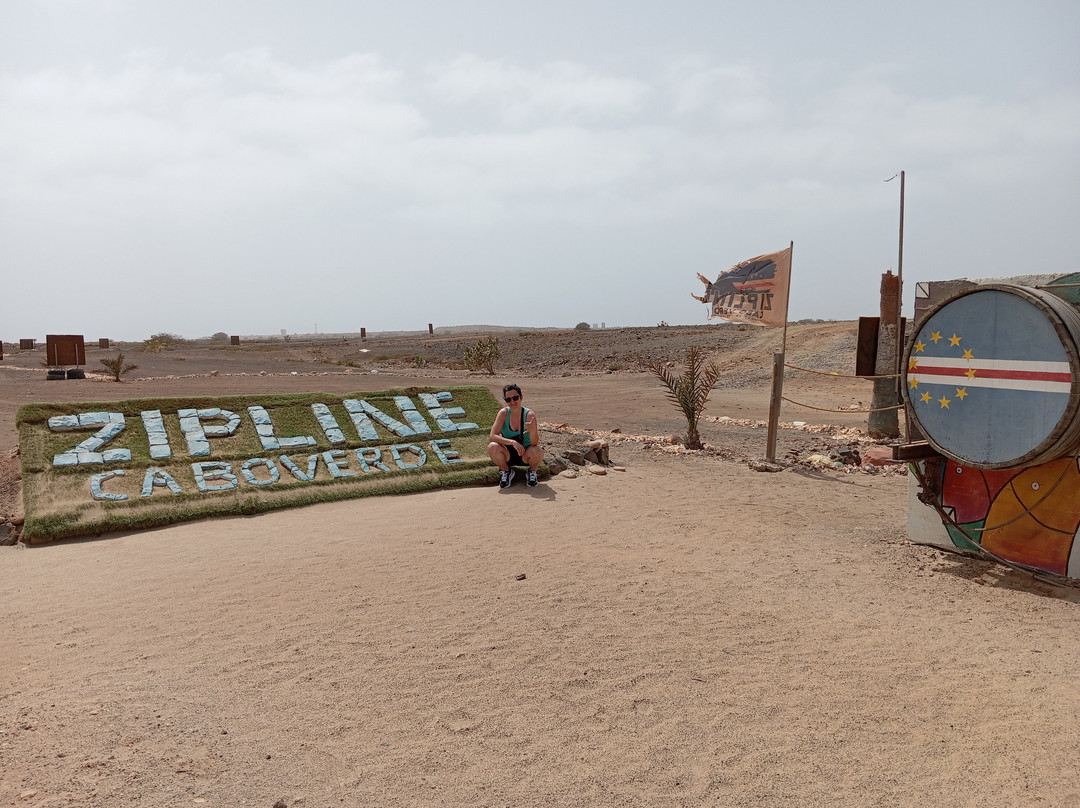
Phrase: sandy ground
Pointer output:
(684, 633)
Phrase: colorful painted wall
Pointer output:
(992, 383)
(1027, 516)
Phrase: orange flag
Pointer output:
(755, 291)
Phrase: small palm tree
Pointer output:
(117, 367)
(690, 390)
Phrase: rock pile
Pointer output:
(11, 517)
(567, 458)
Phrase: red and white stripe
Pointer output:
(1000, 374)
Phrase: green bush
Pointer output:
(482, 355)
(161, 342)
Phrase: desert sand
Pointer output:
(687, 632)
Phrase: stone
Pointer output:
(618, 468)
(568, 474)
(575, 457)
(17, 519)
(878, 456)
(764, 465)
(848, 455)
(555, 465)
(596, 470)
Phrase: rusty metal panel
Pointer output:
(27, 344)
(234, 339)
(65, 349)
(103, 342)
(866, 347)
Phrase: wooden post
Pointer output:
(774, 405)
(363, 333)
(430, 330)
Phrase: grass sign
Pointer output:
(122, 465)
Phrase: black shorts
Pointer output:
(515, 458)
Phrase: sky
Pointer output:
(249, 166)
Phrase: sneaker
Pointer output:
(531, 478)
(505, 478)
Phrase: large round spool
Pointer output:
(992, 376)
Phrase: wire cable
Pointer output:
(841, 375)
(825, 409)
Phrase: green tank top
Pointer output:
(523, 437)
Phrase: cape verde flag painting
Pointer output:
(990, 377)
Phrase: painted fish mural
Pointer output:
(991, 381)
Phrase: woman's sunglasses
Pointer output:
(512, 399)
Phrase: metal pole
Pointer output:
(900, 311)
(900, 281)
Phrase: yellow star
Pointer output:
(961, 392)
(944, 402)
(970, 373)
(954, 340)
(925, 398)
(914, 382)
(912, 364)
(920, 346)
(935, 336)
(967, 354)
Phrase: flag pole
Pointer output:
(787, 296)
(778, 371)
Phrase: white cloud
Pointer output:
(721, 95)
(571, 144)
(555, 91)
(227, 133)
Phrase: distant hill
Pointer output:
(443, 330)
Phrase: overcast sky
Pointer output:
(254, 165)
